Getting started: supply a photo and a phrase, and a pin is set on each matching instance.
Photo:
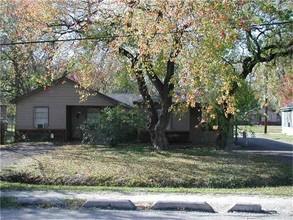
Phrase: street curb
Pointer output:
(190, 206)
(124, 204)
(251, 208)
(40, 201)
(110, 204)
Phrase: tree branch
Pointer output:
(254, 41)
(274, 46)
(153, 76)
(142, 87)
(250, 62)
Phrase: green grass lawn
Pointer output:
(276, 191)
(260, 128)
(278, 137)
(273, 132)
(141, 166)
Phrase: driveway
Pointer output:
(276, 150)
(10, 154)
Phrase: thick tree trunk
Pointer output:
(158, 137)
(225, 137)
(153, 120)
(160, 141)
(158, 128)
(157, 122)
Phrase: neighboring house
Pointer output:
(57, 112)
(257, 116)
(287, 119)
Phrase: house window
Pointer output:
(41, 117)
(92, 113)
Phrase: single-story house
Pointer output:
(287, 119)
(257, 116)
(57, 111)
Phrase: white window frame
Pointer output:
(41, 123)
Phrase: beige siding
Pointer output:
(56, 98)
(180, 122)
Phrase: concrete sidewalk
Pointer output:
(220, 203)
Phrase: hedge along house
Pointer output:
(56, 111)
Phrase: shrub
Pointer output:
(113, 126)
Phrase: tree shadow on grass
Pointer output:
(123, 149)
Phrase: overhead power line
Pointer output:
(118, 36)
(272, 24)
(53, 41)
(87, 38)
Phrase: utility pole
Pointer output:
(266, 104)
(3, 122)
(236, 130)
(2, 118)
(266, 116)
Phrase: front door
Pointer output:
(77, 117)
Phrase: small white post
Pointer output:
(52, 136)
(245, 138)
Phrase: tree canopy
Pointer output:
(176, 51)
(25, 66)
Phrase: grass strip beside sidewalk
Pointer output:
(269, 191)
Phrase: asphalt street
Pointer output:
(283, 206)
(55, 213)
(276, 150)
